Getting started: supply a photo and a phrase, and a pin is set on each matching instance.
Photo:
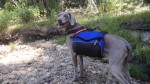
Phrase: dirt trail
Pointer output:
(44, 62)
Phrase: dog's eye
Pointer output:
(65, 16)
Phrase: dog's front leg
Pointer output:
(74, 58)
(81, 66)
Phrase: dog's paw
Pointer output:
(81, 75)
(74, 79)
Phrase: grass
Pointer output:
(5, 18)
(33, 24)
(137, 72)
(12, 46)
(61, 41)
(143, 52)
(26, 15)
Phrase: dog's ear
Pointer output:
(72, 20)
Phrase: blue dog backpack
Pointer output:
(88, 43)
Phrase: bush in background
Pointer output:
(5, 18)
(9, 6)
(138, 72)
(26, 15)
(52, 18)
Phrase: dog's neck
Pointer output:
(73, 29)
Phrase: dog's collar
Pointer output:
(75, 31)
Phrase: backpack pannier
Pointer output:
(89, 43)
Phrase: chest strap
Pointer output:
(76, 31)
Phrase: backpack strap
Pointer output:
(75, 30)
(80, 31)
(96, 38)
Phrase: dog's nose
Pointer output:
(59, 21)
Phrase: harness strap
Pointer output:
(75, 30)
(80, 31)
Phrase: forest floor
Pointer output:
(45, 62)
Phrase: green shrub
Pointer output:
(9, 6)
(111, 5)
(145, 16)
(52, 18)
(35, 10)
(143, 52)
(26, 15)
(5, 18)
(138, 72)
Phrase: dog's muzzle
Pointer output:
(61, 23)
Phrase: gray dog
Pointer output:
(117, 49)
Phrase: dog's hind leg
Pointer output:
(126, 71)
(125, 68)
(128, 56)
(116, 72)
(116, 61)
(81, 66)
(74, 58)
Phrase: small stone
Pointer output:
(11, 76)
(1, 80)
(48, 65)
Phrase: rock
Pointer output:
(7, 82)
(48, 65)
(146, 37)
(5, 71)
(1, 80)
(11, 76)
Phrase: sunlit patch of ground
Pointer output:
(18, 54)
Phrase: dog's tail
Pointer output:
(129, 52)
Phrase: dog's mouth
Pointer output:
(61, 25)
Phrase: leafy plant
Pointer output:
(26, 15)
(9, 6)
(53, 16)
(5, 18)
(143, 52)
(137, 72)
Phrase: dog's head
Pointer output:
(65, 20)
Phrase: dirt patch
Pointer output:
(136, 25)
(29, 34)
